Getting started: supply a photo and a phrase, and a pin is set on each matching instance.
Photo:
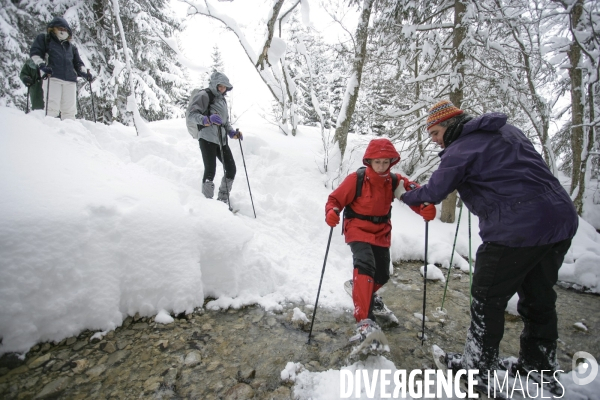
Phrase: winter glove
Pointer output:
(333, 217)
(215, 119)
(27, 81)
(427, 211)
(205, 121)
(88, 76)
(235, 134)
(46, 70)
(408, 185)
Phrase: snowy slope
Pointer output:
(97, 224)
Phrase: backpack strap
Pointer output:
(211, 99)
(350, 213)
(360, 178)
(394, 181)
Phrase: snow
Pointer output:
(580, 326)
(163, 317)
(299, 315)
(97, 224)
(433, 273)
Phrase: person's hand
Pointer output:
(27, 81)
(215, 119)
(427, 211)
(408, 185)
(88, 76)
(205, 121)
(333, 217)
(236, 134)
(46, 70)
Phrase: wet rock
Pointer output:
(79, 345)
(152, 384)
(246, 374)
(53, 388)
(96, 371)
(109, 347)
(79, 365)
(170, 377)
(241, 391)
(40, 361)
(281, 393)
(192, 359)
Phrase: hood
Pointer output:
(490, 122)
(381, 148)
(219, 78)
(59, 22)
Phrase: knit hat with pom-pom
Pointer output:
(442, 111)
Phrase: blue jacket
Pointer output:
(505, 182)
(63, 57)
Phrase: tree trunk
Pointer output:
(456, 95)
(131, 101)
(449, 208)
(577, 111)
(360, 53)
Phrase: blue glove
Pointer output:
(216, 119)
(46, 70)
(205, 121)
(235, 134)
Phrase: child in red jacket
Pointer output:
(368, 229)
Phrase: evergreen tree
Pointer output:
(159, 79)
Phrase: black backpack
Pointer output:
(350, 213)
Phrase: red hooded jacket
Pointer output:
(375, 200)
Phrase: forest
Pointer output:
(537, 61)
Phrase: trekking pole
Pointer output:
(27, 109)
(451, 257)
(92, 94)
(47, 93)
(223, 163)
(320, 282)
(470, 268)
(424, 283)
(247, 179)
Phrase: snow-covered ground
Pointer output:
(97, 224)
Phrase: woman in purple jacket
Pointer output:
(526, 222)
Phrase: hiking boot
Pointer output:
(224, 189)
(208, 189)
(550, 382)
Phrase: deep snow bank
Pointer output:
(97, 224)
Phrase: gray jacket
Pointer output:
(197, 110)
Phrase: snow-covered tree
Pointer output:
(149, 27)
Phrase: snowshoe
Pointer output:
(380, 310)
(368, 340)
(550, 383)
(453, 361)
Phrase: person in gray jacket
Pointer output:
(207, 119)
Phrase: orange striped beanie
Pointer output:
(442, 111)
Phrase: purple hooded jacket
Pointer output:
(505, 182)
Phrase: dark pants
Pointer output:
(371, 260)
(500, 272)
(371, 271)
(210, 152)
(36, 94)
